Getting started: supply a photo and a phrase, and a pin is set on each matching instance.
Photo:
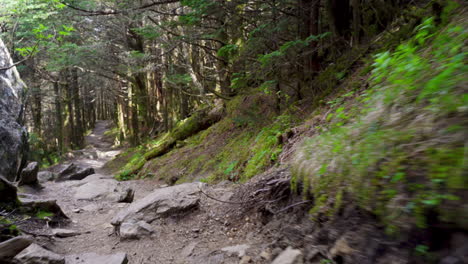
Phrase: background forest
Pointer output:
(363, 101)
(148, 65)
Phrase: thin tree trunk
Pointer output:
(58, 117)
(79, 131)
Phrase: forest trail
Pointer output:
(196, 237)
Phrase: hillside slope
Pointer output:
(379, 165)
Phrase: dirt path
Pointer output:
(195, 238)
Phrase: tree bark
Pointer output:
(59, 118)
(79, 131)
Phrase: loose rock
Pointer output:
(238, 250)
(160, 203)
(73, 172)
(95, 189)
(44, 205)
(126, 196)
(29, 174)
(289, 256)
(35, 254)
(59, 232)
(135, 231)
(45, 176)
(11, 247)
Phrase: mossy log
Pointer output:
(199, 121)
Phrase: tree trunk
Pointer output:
(59, 118)
(70, 113)
(79, 131)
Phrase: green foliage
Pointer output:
(228, 51)
(147, 32)
(129, 170)
(38, 151)
(287, 48)
(267, 147)
(10, 228)
(179, 79)
(198, 8)
(388, 146)
(43, 214)
(421, 250)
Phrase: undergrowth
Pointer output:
(399, 148)
(238, 147)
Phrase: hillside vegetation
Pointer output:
(392, 139)
(336, 127)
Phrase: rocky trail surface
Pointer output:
(141, 221)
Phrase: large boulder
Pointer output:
(13, 136)
(35, 254)
(95, 189)
(10, 248)
(29, 174)
(104, 189)
(160, 203)
(61, 232)
(73, 172)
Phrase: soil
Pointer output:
(196, 237)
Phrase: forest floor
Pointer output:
(196, 237)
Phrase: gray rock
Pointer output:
(60, 232)
(93, 258)
(104, 189)
(289, 256)
(30, 205)
(29, 174)
(45, 176)
(70, 168)
(136, 230)
(73, 172)
(13, 135)
(237, 250)
(11, 247)
(126, 196)
(35, 254)
(95, 189)
(8, 191)
(160, 203)
(91, 208)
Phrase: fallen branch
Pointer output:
(221, 201)
(292, 205)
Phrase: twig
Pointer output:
(292, 205)
(36, 234)
(221, 201)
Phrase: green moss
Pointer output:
(135, 163)
(267, 146)
(43, 214)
